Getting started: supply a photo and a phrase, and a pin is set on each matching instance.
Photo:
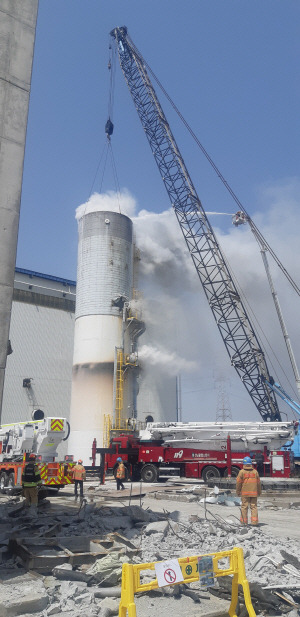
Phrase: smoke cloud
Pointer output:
(182, 336)
(170, 362)
(110, 201)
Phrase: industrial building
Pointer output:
(38, 371)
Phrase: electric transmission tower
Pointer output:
(223, 413)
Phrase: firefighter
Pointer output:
(120, 474)
(31, 480)
(79, 475)
(248, 487)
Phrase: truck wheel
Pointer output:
(210, 473)
(234, 472)
(3, 481)
(149, 473)
(136, 474)
(48, 491)
(11, 482)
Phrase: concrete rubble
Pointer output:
(135, 534)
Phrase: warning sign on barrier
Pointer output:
(206, 572)
(168, 572)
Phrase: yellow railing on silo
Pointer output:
(107, 426)
(119, 389)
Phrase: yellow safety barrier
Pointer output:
(131, 583)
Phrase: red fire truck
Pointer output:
(148, 461)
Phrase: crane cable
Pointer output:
(98, 166)
(112, 69)
(109, 129)
(115, 174)
(216, 169)
(262, 337)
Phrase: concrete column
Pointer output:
(17, 35)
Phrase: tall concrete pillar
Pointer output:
(17, 36)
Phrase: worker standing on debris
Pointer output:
(79, 475)
(120, 474)
(248, 487)
(31, 480)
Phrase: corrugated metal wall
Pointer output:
(42, 342)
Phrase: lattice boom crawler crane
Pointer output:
(241, 342)
(41, 436)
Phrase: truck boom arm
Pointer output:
(278, 389)
(234, 325)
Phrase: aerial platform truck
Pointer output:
(203, 450)
(42, 437)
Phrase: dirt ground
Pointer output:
(278, 510)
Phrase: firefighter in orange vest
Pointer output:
(120, 474)
(248, 487)
(79, 475)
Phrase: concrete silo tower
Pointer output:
(105, 333)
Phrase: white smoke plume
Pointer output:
(181, 332)
(110, 201)
(170, 362)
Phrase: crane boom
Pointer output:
(238, 335)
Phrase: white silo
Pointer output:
(104, 286)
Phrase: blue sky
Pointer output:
(231, 67)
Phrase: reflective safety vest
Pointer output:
(248, 482)
(120, 473)
(78, 472)
(31, 475)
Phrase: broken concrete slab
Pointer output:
(54, 609)
(158, 527)
(109, 606)
(117, 522)
(84, 598)
(22, 597)
(137, 514)
(44, 554)
(175, 497)
(108, 592)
